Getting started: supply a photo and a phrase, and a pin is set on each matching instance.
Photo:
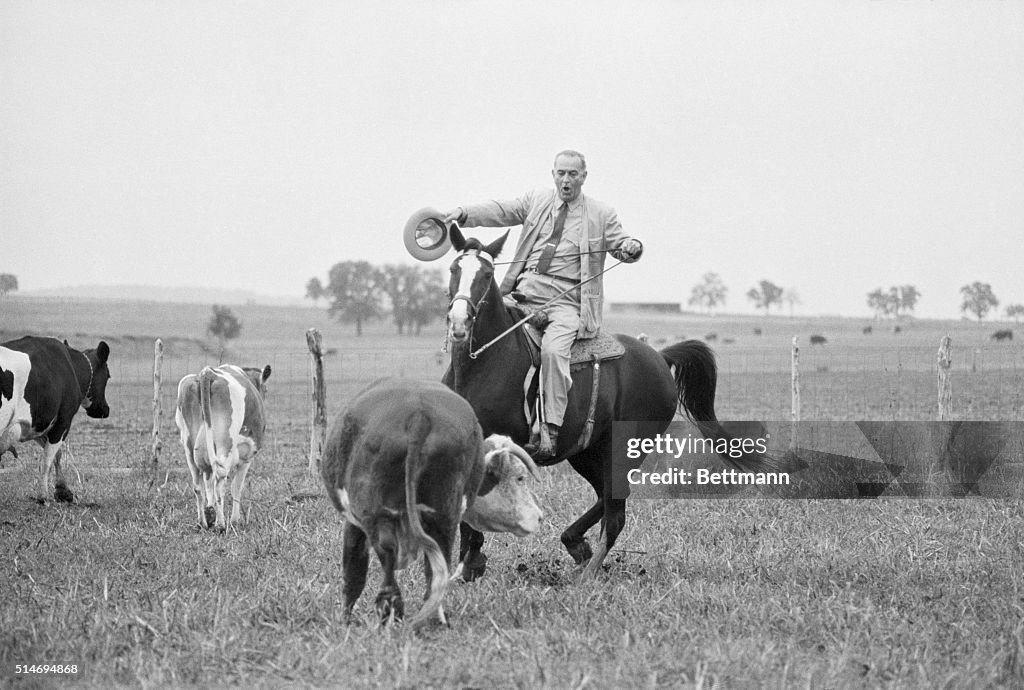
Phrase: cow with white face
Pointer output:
(43, 382)
(222, 419)
(404, 463)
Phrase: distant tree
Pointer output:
(791, 297)
(224, 326)
(354, 290)
(878, 300)
(1015, 312)
(428, 300)
(709, 293)
(908, 296)
(978, 299)
(893, 301)
(8, 283)
(416, 295)
(765, 295)
(315, 290)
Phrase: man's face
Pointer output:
(569, 176)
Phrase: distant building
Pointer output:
(654, 307)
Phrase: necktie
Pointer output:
(556, 236)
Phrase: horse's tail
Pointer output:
(696, 377)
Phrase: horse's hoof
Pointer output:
(580, 551)
(63, 494)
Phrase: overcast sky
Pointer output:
(830, 147)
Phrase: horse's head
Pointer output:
(471, 282)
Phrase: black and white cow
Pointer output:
(221, 418)
(404, 463)
(43, 382)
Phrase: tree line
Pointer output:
(358, 291)
(978, 299)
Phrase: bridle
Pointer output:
(472, 308)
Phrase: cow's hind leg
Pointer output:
(197, 487)
(355, 559)
(60, 486)
(51, 462)
(389, 600)
(474, 562)
(237, 486)
(444, 535)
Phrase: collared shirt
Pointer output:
(566, 261)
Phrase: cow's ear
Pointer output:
(103, 351)
(266, 374)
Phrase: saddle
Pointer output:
(585, 352)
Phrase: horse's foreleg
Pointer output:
(614, 521)
(472, 561)
(574, 537)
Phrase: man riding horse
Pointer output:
(563, 243)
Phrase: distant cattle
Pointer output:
(404, 463)
(757, 331)
(897, 329)
(43, 382)
(711, 337)
(1006, 334)
(818, 340)
(221, 420)
(866, 330)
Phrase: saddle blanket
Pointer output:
(604, 347)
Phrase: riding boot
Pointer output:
(548, 443)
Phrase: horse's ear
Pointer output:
(494, 248)
(103, 351)
(458, 241)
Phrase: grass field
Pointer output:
(697, 593)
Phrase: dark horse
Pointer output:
(640, 386)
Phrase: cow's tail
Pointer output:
(417, 428)
(206, 378)
(696, 377)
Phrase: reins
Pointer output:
(520, 322)
(593, 251)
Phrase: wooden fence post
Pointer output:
(318, 426)
(795, 367)
(158, 360)
(945, 387)
(795, 406)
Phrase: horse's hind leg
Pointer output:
(614, 521)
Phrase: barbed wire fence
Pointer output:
(811, 383)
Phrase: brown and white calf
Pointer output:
(221, 418)
(405, 463)
(43, 382)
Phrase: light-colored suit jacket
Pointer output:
(601, 231)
